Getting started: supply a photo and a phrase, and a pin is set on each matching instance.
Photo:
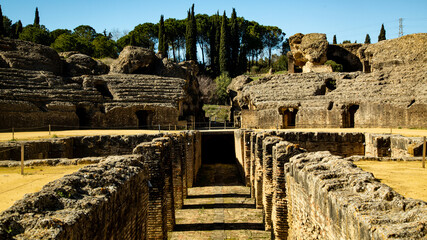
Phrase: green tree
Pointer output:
(104, 47)
(382, 37)
(191, 36)
(58, 32)
(37, 18)
(2, 33)
(214, 40)
(273, 37)
(18, 29)
(66, 42)
(346, 41)
(367, 39)
(85, 32)
(334, 41)
(222, 83)
(7, 27)
(335, 66)
(162, 37)
(224, 49)
(35, 34)
(234, 43)
(203, 24)
(175, 36)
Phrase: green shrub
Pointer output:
(335, 66)
(222, 83)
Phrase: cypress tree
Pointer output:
(223, 46)
(132, 40)
(18, 29)
(335, 40)
(367, 39)
(235, 43)
(382, 34)
(214, 44)
(2, 33)
(37, 18)
(191, 36)
(162, 39)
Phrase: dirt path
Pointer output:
(13, 185)
(219, 207)
(406, 178)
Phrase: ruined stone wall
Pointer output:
(395, 146)
(97, 202)
(322, 196)
(126, 197)
(330, 198)
(74, 147)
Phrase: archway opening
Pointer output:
(289, 116)
(144, 119)
(84, 119)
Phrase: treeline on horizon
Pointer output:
(227, 45)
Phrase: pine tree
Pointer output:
(132, 40)
(367, 39)
(191, 36)
(382, 37)
(223, 46)
(335, 40)
(235, 43)
(162, 38)
(37, 18)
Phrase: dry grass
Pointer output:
(405, 177)
(13, 185)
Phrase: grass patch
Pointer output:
(219, 113)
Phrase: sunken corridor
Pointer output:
(237, 184)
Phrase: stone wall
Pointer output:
(395, 146)
(74, 147)
(323, 196)
(126, 197)
(330, 198)
(97, 202)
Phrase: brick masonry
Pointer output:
(122, 197)
(324, 196)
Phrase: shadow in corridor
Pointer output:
(218, 226)
(218, 174)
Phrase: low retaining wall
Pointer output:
(323, 196)
(122, 197)
(75, 147)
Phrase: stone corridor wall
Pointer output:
(307, 193)
(122, 197)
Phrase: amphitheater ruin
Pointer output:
(304, 184)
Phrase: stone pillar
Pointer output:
(282, 152)
(267, 184)
(183, 152)
(247, 157)
(169, 193)
(258, 170)
(189, 149)
(157, 217)
(177, 173)
(252, 163)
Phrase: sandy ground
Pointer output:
(407, 178)
(43, 135)
(13, 185)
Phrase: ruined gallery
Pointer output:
(300, 184)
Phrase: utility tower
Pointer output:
(400, 27)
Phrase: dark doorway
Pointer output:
(289, 116)
(219, 164)
(348, 116)
(218, 148)
(105, 92)
(144, 119)
(84, 119)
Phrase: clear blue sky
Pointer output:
(349, 20)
